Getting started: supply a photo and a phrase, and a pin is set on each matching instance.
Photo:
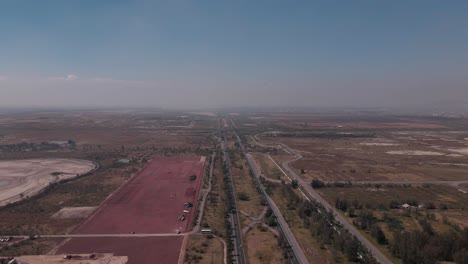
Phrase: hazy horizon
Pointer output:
(208, 54)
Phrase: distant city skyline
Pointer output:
(195, 54)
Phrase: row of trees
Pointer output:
(317, 183)
(424, 246)
(324, 228)
(427, 246)
(346, 205)
(43, 146)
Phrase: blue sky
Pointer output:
(255, 52)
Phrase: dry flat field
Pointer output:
(24, 178)
(259, 250)
(379, 155)
(409, 174)
(204, 250)
(120, 141)
(143, 250)
(151, 202)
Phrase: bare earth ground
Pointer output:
(103, 137)
(23, 178)
(152, 201)
(142, 250)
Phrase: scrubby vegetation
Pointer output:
(429, 246)
(324, 228)
(404, 225)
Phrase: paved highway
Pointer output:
(283, 225)
(288, 234)
(234, 216)
(307, 188)
(309, 191)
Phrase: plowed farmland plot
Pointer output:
(152, 201)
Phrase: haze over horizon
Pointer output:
(184, 54)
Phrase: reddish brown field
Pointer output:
(152, 201)
(144, 250)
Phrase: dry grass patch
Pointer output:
(311, 247)
(247, 197)
(269, 168)
(213, 215)
(30, 247)
(262, 247)
(33, 216)
(380, 197)
(204, 250)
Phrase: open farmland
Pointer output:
(97, 131)
(392, 180)
(121, 142)
(24, 178)
(152, 201)
(379, 156)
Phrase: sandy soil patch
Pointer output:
(74, 212)
(379, 144)
(463, 151)
(415, 153)
(23, 178)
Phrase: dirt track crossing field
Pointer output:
(22, 178)
(150, 203)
